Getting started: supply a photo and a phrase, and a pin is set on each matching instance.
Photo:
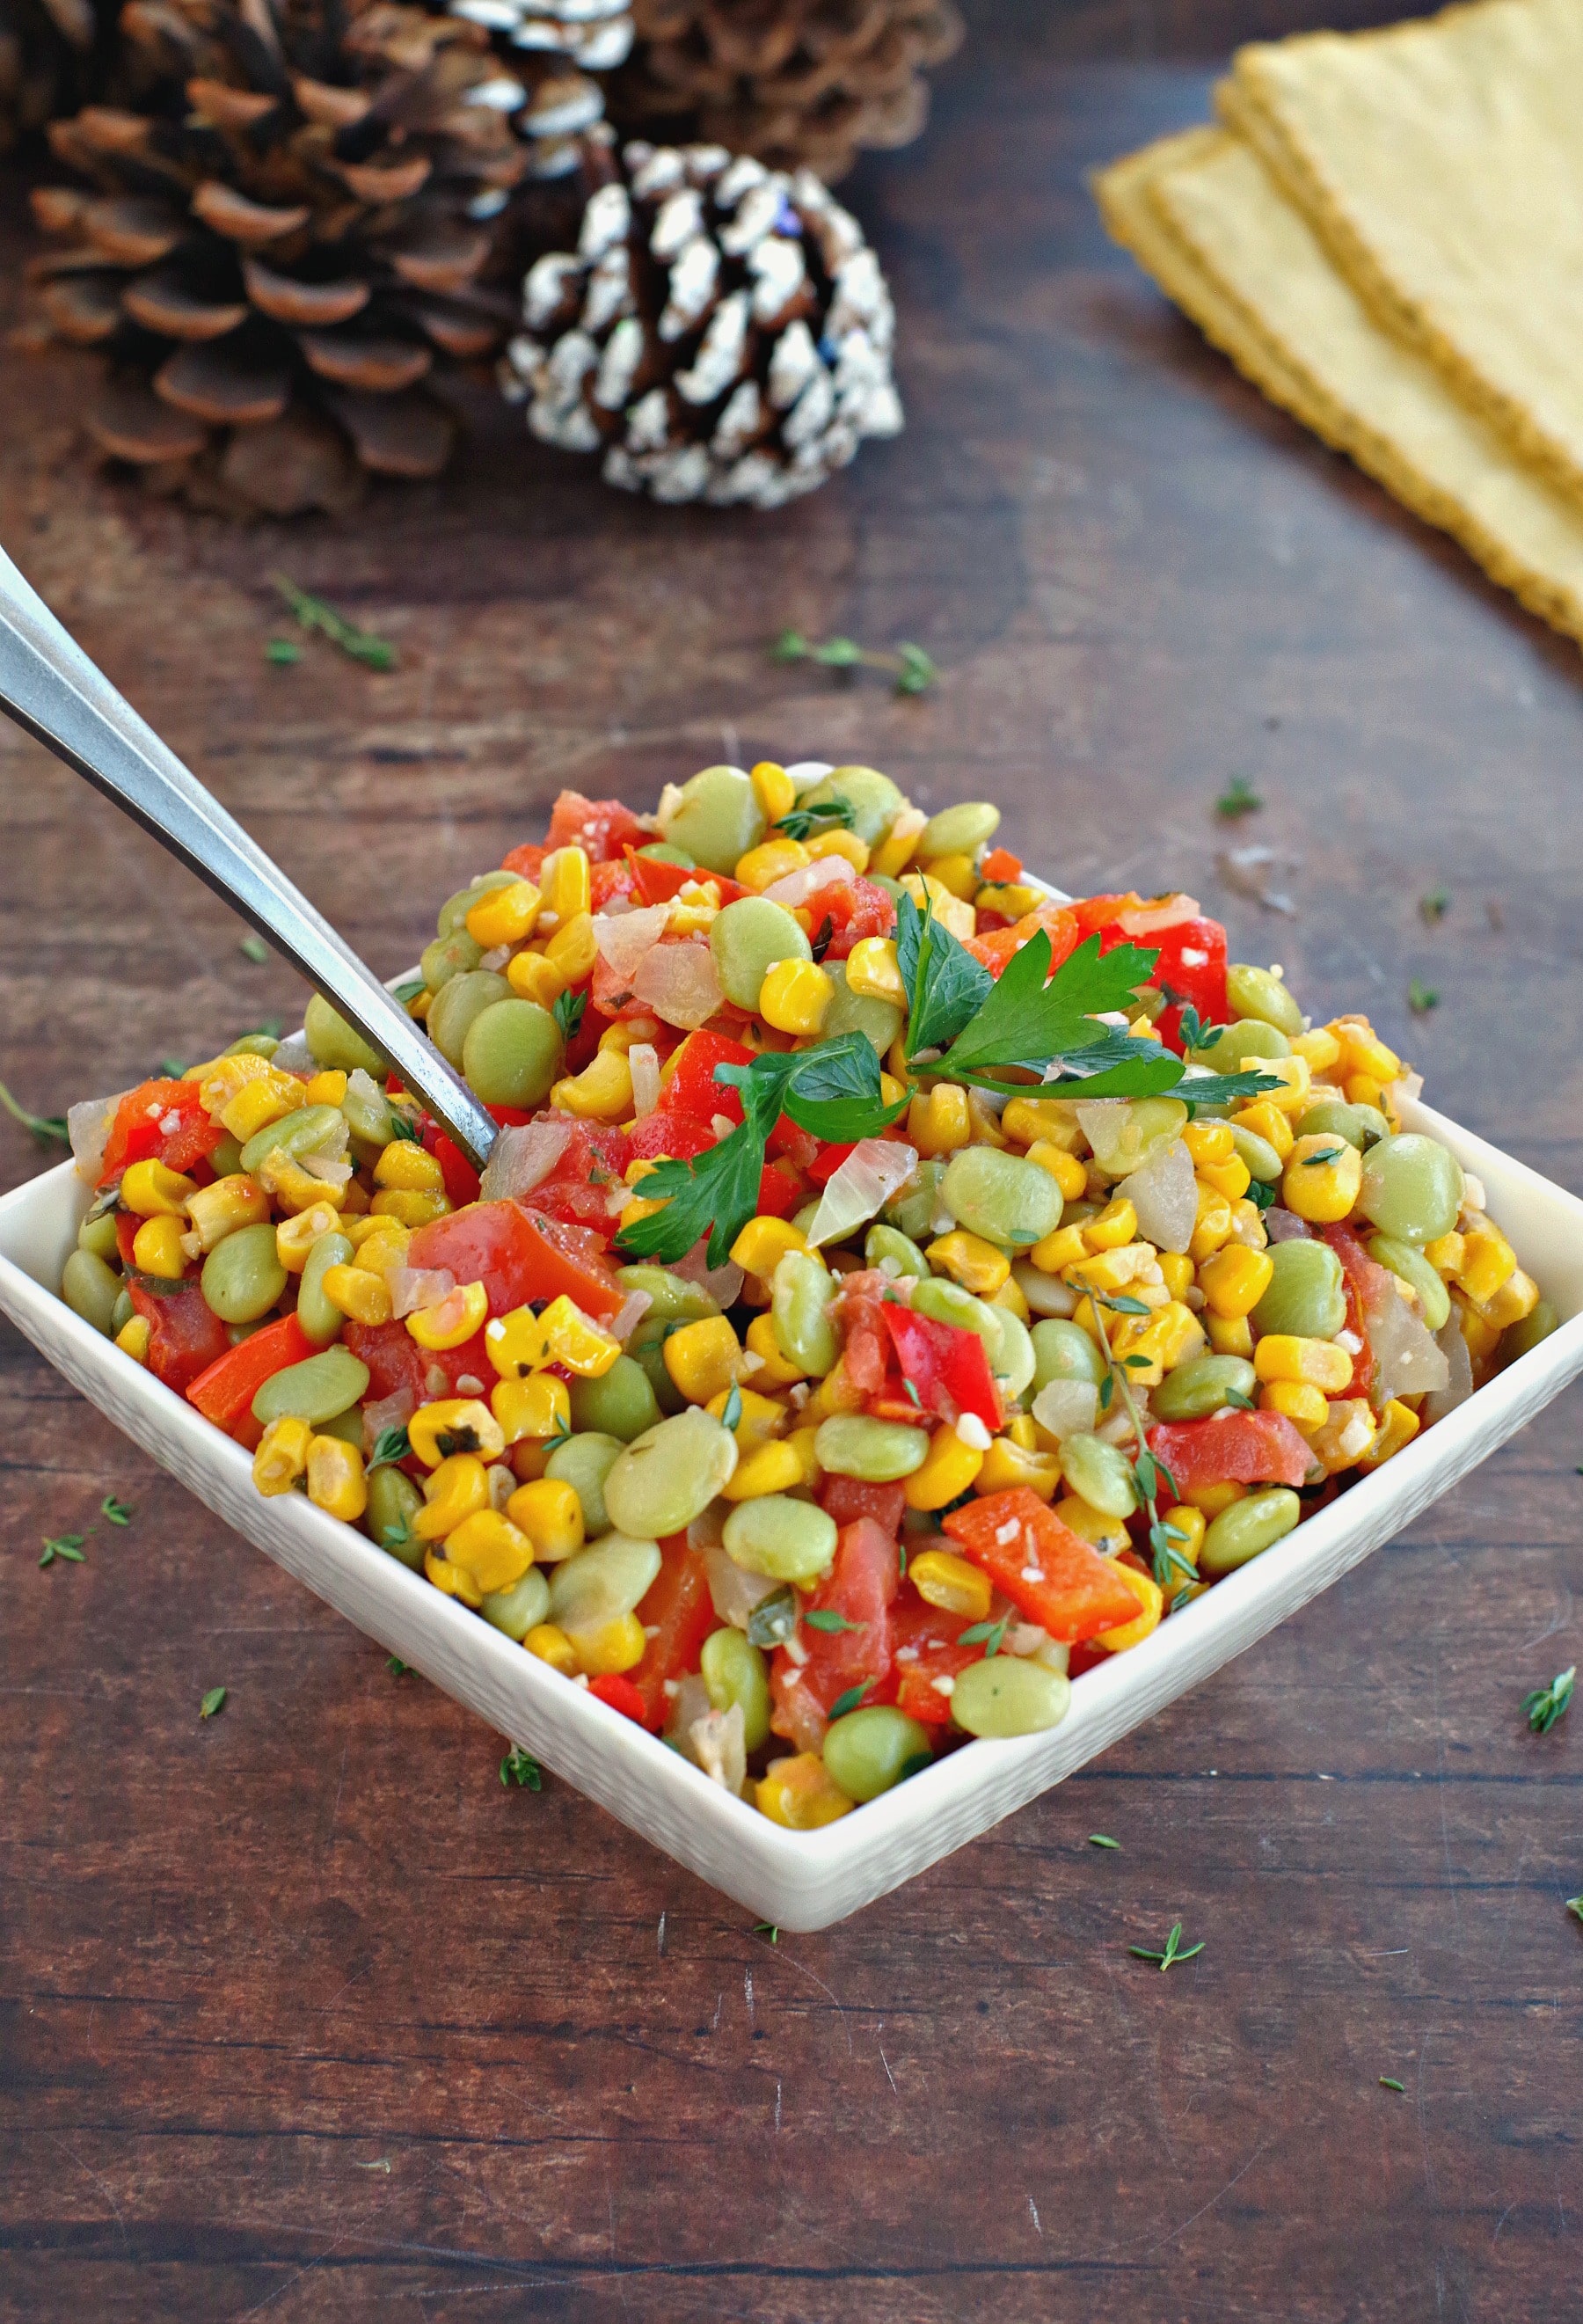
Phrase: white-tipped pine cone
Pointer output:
(559, 43)
(722, 333)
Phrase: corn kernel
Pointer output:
(1303, 1405)
(1266, 1121)
(1176, 1272)
(771, 861)
(550, 1644)
(334, 1478)
(1346, 1436)
(1064, 1249)
(943, 1579)
(409, 1205)
(1247, 1225)
(270, 1097)
(549, 1516)
(628, 1032)
(954, 914)
(1067, 1171)
(132, 1338)
(1517, 1298)
(282, 1455)
(532, 977)
(1172, 1336)
(1231, 1178)
(938, 1122)
(1213, 1226)
(156, 1248)
(773, 1468)
(704, 1358)
(565, 885)
(219, 1081)
(1209, 1142)
(380, 1243)
(575, 1342)
(574, 948)
(327, 1088)
(295, 1237)
(872, 971)
(455, 1490)
(1108, 1534)
(845, 844)
(969, 1261)
(799, 1794)
(490, 1548)
(1399, 1425)
(516, 1343)
(1014, 1299)
(602, 1091)
(538, 1406)
(504, 916)
(796, 996)
(358, 1293)
(407, 1166)
(1322, 1179)
(984, 1122)
(1361, 1049)
(1481, 1334)
(897, 849)
(152, 1192)
(949, 1468)
(1295, 1094)
(455, 1424)
(802, 1442)
(216, 1210)
(758, 1418)
(774, 1369)
(1285, 1356)
(1008, 1463)
(1319, 1050)
(451, 1581)
(1191, 1525)
(1210, 1499)
(1023, 1430)
(615, 1645)
(451, 1321)
(763, 1243)
(1362, 1089)
(1115, 1224)
(1487, 1261)
(1229, 1335)
(1445, 1254)
(1151, 1601)
(955, 873)
(1029, 1120)
(1112, 1270)
(1234, 1280)
(773, 788)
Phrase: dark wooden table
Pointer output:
(303, 2014)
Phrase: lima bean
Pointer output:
(1256, 994)
(1412, 1266)
(319, 1317)
(520, 1608)
(1011, 1359)
(672, 1298)
(1334, 1118)
(1520, 1339)
(302, 1132)
(746, 940)
(453, 911)
(620, 1404)
(458, 1003)
(1246, 1529)
(334, 1046)
(718, 818)
(959, 830)
(873, 797)
(1065, 1352)
(734, 1671)
(1202, 1385)
(882, 1243)
(1098, 1474)
(513, 1053)
(584, 1462)
(242, 1277)
(789, 1541)
(601, 1583)
(1005, 1695)
(669, 1475)
(1412, 1188)
(1236, 1044)
(945, 1302)
(1305, 1295)
(90, 1288)
(314, 1390)
(879, 1021)
(1257, 1154)
(920, 1202)
(99, 1236)
(394, 1502)
(866, 1752)
(800, 1293)
(1005, 1199)
(878, 1452)
(453, 955)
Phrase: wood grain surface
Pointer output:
(302, 2015)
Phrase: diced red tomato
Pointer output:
(1000, 864)
(518, 1258)
(996, 947)
(604, 828)
(1191, 964)
(680, 1136)
(1049, 1572)
(848, 1498)
(1229, 1447)
(185, 1334)
(1092, 913)
(855, 910)
(527, 860)
(923, 1647)
(656, 882)
(860, 1585)
(127, 1224)
(1367, 1284)
(679, 1614)
(781, 1191)
(691, 1086)
(577, 1191)
(606, 881)
(788, 1143)
(224, 1392)
(160, 1121)
(617, 1692)
(398, 1367)
(949, 1368)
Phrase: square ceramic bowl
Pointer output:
(800, 1880)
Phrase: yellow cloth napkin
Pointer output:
(1387, 238)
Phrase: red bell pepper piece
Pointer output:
(518, 1258)
(461, 1179)
(860, 1586)
(679, 1614)
(617, 1692)
(1049, 1572)
(848, 1498)
(225, 1392)
(1000, 864)
(1367, 1284)
(185, 1334)
(676, 1136)
(996, 947)
(948, 1367)
(924, 1648)
(1093, 913)
(656, 882)
(162, 1121)
(1191, 964)
(691, 1087)
(1229, 1447)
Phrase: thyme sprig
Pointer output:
(1546, 1704)
(50, 1129)
(1175, 1952)
(1166, 1541)
(315, 614)
(909, 665)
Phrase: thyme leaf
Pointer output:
(315, 613)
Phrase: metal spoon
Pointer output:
(49, 686)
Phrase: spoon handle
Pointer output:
(49, 686)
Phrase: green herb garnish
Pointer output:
(1432, 908)
(408, 990)
(213, 1704)
(397, 1667)
(406, 1125)
(390, 1445)
(1389, 2082)
(315, 613)
(850, 1699)
(825, 1617)
(773, 1619)
(910, 665)
(1102, 1840)
(114, 1512)
(990, 1635)
(767, 1929)
(521, 1768)
(1238, 798)
(1546, 1704)
(1422, 998)
(567, 1012)
(730, 1418)
(254, 948)
(67, 1545)
(50, 1129)
(825, 815)
(1174, 1951)
(284, 652)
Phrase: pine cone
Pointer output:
(52, 53)
(558, 45)
(288, 240)
(793, 82)
(722, 334)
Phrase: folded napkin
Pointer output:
(1387, 239)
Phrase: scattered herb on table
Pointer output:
(315, 614)
(1389, 2082)
(1175, 1950)
(1238, 798)
(213, 1704)
(114, 1512)
(521, 1768)
(172, 1069)
(1422, 998)
(1102, 1840)
(1432, 908)
(909, 665)
(67, 1545)
(767, 1929)
(284, 652)
(48, 1128)
(254, 948)
(1546, 1704)
(1575, 1905)
(397, 1667)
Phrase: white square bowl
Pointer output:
(801, 1881)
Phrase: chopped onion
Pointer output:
(716, 1743)
(522, 1158)
(689, 1702)
(807, 774)
(1067, 1408)
(723, 1283)
(1285, 1226)
(1164, 1194)
(412, 1287)
(876, 1169)
(293, 1055)
(629, 1316)
(89, 1122)
(828, 871)
(1408, 1361)
(1458, 1386)
(679, 983)
(643, 1062)
(1150, 919)
(624, 937)
(392, 1411)
(330, 1170)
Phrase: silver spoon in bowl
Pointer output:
(49, 686)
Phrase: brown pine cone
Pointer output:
(807, 83)
(53, 54)
(722, 332)
(288, 240)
